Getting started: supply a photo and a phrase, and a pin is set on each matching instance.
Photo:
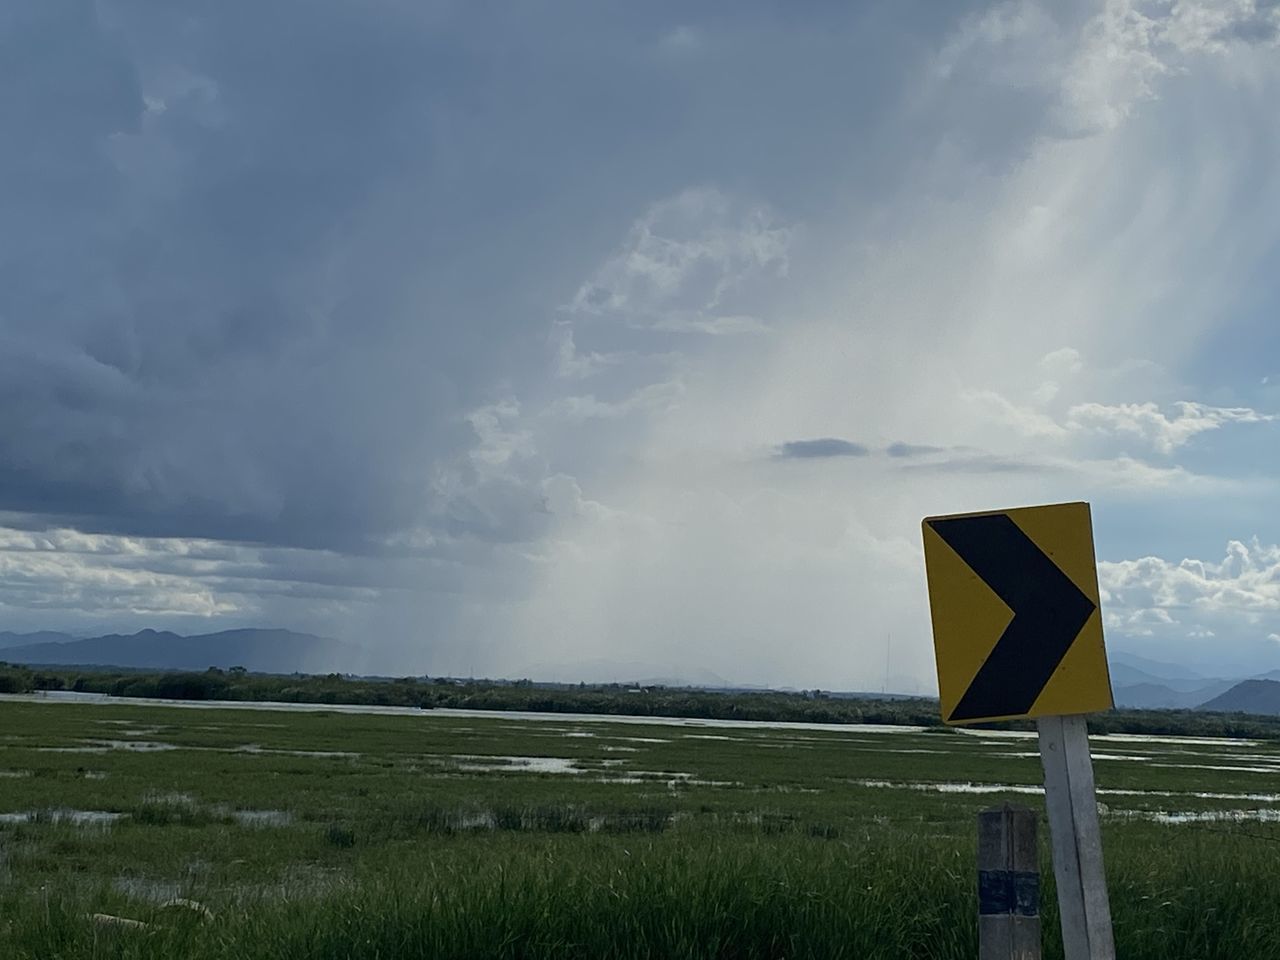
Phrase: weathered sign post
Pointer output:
(1008, 885)
(1017, 631)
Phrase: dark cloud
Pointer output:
(905, 450)
(1257, 29)
(262, 276)
(820, 448)
(983, 463)
(256, 270)
(228, 309)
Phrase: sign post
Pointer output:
(1008, 884)
(1017, 629)
(1072, 806)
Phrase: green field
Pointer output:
(330, 834)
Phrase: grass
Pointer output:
(324, 835)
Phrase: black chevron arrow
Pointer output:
(1048, 613)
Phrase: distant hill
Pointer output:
(10, 639)
(1143, 684)
(1248, 696)
(263, 651)
(1126, 676)
(1126, 664)
(1158, 696)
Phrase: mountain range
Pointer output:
(259, 650)
(1144, 684)
(1261, 695)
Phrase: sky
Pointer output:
(586, 339)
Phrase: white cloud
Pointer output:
(562, 497)
(1160, 431)
(1016, 28)
(79, 575)
(1100, 68)
(1126, 473)
(676, 321)
(1132, 45)
(1164, 433)
(1214, 25)
(491, 493)
(1063, 362)
(1233, 599)
(653, 397)
(501, 439)
(685, 263)
(1025, 419)
(1115, 69)
(1059, 365)
(575, 364)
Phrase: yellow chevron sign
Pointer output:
(1017, 621)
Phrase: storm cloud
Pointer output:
(475, 335)
(821, 448)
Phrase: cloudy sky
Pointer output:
(538, 338)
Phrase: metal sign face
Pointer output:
(1017, 626)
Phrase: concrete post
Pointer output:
(1008, 884)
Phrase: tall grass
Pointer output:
(754, 844)
(766, 900)
(777, 896)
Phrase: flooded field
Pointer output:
(120, 808)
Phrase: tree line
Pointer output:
(808, 706)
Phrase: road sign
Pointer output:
(1017, 627)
